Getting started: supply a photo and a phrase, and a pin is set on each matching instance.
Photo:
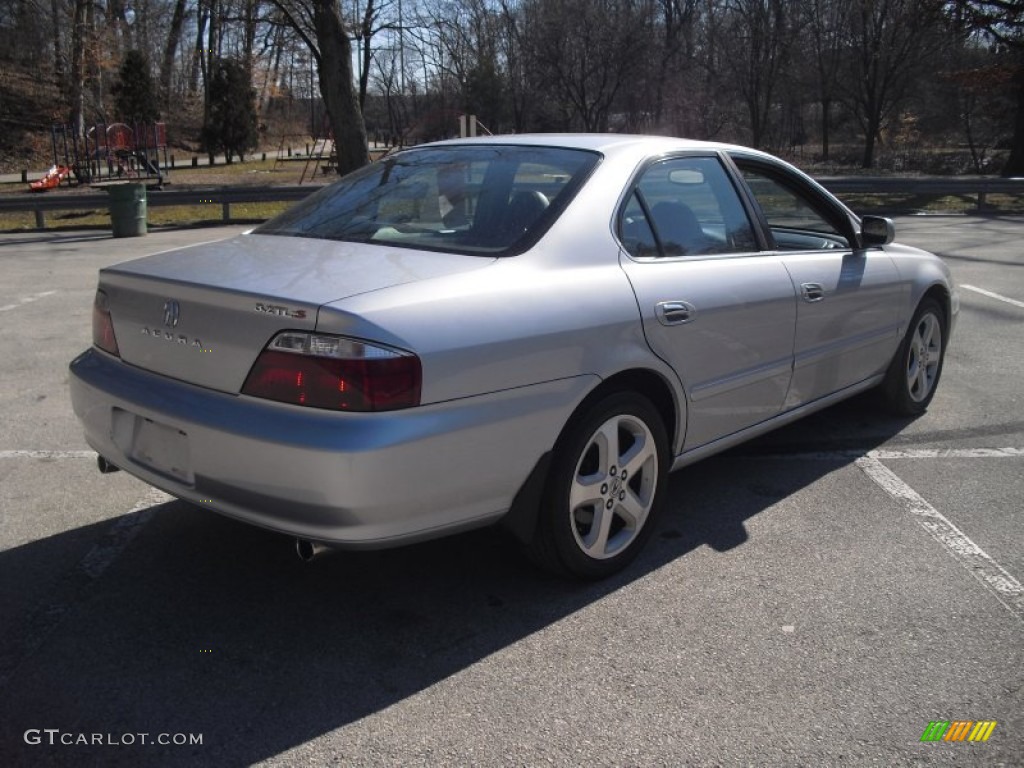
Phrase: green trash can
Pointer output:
(128, 209)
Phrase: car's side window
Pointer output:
(685, 206)
(796, 223)
(635, 230)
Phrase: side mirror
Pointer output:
(876, 230)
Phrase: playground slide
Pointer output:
(53, 178)
(145, 162)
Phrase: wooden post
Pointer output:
(225, 211)
(40, 219)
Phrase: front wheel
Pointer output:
(913, 375)
(604, 490)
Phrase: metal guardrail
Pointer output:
(40, 204)
(923, 185)
(978, 186)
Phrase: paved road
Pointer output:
(814, 598)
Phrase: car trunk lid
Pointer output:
(203, 314)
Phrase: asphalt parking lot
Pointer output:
(817, 597)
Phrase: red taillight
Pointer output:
(333, 372)
(102, 326)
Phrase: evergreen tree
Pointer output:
(134, 96)
(231, 126)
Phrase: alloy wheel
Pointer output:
(924, 357)
(613, 488)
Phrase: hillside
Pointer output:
(29, 104)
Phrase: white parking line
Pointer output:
(948, 453)
(894, 453)
(47, 454)
(992, 295)
(26, 300)
(993, 576)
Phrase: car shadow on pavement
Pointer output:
(202, 625)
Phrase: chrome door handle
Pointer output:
(812, 291)
(675, 312)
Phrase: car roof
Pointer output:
(605, 143)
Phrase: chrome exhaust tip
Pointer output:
(308, 550)
(105, 466)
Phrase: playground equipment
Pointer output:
(106, 153)
(323, 145)
(53, 178)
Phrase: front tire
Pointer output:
(605, 489)
(914, 373)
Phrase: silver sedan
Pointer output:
(531, 330)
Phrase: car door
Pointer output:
(716, 306)
(848, 297)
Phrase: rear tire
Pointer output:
(605, 489)
(913, 375)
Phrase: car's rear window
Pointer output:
(487, 200)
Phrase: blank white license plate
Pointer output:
(161, 448)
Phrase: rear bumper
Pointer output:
(361, 480)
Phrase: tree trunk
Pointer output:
(870, 135)
(275, 69)
(252, 12)
(77, 89)
(198, 57)
(1015, 162)
(336, 87)
(212, 55)
(93, 75)
(826, 112)
(58, 48)
(170, 48)
(366, 52)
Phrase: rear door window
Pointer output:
(685, 206)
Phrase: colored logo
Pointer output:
(958, 730)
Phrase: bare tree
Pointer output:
(827, 32)
(892, 41)
(757, 36)
(585, 50)
(319, 24)
(677, 22)
(170, 51)
(76, 89)
(1003, 21)
(56, 19)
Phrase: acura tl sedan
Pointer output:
(525, 330)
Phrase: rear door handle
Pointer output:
(675, 312)
(812, 291)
